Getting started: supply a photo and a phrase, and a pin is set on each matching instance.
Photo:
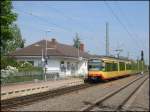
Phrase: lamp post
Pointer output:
(79, 58)
(45, 61)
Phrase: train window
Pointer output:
(95, 65)
(114, 67)
(128, 66)
(122, 66)
(108, 66)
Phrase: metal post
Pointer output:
(78, 58)
(45, 69)
(46, 56)
(107, 40)
(45, 59)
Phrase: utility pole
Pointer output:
(107, 39)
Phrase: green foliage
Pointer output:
(7, 61)
(76, 41)
(28, 67)
(7, 19)
(17, 41)
(21, 66)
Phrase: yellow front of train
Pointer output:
(96, 69)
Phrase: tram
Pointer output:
(104, 68)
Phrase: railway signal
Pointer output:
(142, 55)
(142, 59)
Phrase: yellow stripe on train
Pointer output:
(108, 75)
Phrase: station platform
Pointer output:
(10, 91)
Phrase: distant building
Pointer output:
(61, 58)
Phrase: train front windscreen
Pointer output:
(95, 65)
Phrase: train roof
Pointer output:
(110, 57)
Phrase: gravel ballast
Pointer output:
(78, 99)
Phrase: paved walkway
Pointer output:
(38, 86)
(51, 84)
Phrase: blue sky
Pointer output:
(88, 18)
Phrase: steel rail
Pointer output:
(109, 95)
(25, 100)
(28, 99)
(125, 102)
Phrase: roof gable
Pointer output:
(53, 49)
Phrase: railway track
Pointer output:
(26, 100)
(107, 102)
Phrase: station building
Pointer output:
(63, 59)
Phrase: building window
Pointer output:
(68, 66)
(62, 62)
(32, 62)
(40, 64)
(62, 66)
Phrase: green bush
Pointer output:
(26, 66)
(8, 61)
(21, 66)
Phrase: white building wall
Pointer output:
(83, 69)
(53, 65)
(80, 68)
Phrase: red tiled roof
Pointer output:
(53, 49)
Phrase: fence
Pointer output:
(22, 77)
(30, 76)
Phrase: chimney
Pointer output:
(53, 40)
(82, 47)
(54, 43)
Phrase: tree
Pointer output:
(11, 36)
(76, 41)
(7, 19)
(17, 41)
